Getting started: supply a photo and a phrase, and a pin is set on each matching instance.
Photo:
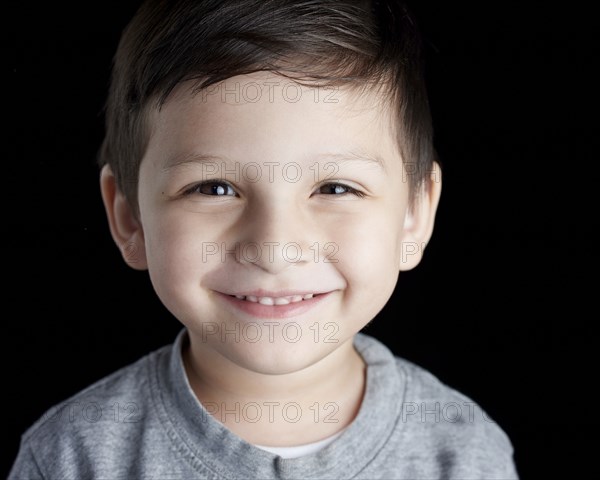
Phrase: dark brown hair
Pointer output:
(353, 43)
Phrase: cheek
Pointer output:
(178, 258)
(367, 259)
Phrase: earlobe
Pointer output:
(125, 228)
(419, 221)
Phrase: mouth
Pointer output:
(282, 304)
(276, 300)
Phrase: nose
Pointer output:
(275, 236)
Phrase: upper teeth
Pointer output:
(275, 300)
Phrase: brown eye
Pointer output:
(338, 189)
(214, 189)
(333, 189)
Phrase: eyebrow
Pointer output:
(353, 155)
(342, 157)
(183, 160)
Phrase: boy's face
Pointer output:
(255, 189)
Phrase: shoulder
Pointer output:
(454, 426)
(443, 431)
(94, 403)
(111, 412)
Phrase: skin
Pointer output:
(352, 246)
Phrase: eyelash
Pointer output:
(349, 190)
(195, 189)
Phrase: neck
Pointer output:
(278, 410)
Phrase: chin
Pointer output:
(279, 359)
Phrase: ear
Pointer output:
(125, 228)
(419, 220)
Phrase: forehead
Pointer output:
(272, 117)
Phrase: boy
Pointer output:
(270, 164)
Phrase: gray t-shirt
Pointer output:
(144, 422)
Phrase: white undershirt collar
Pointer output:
(301, 450)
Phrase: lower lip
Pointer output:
(259, 310)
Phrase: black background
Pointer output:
(493, 310)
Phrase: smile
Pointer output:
(275, 300)
(265, 304)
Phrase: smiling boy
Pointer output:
(271, 165)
